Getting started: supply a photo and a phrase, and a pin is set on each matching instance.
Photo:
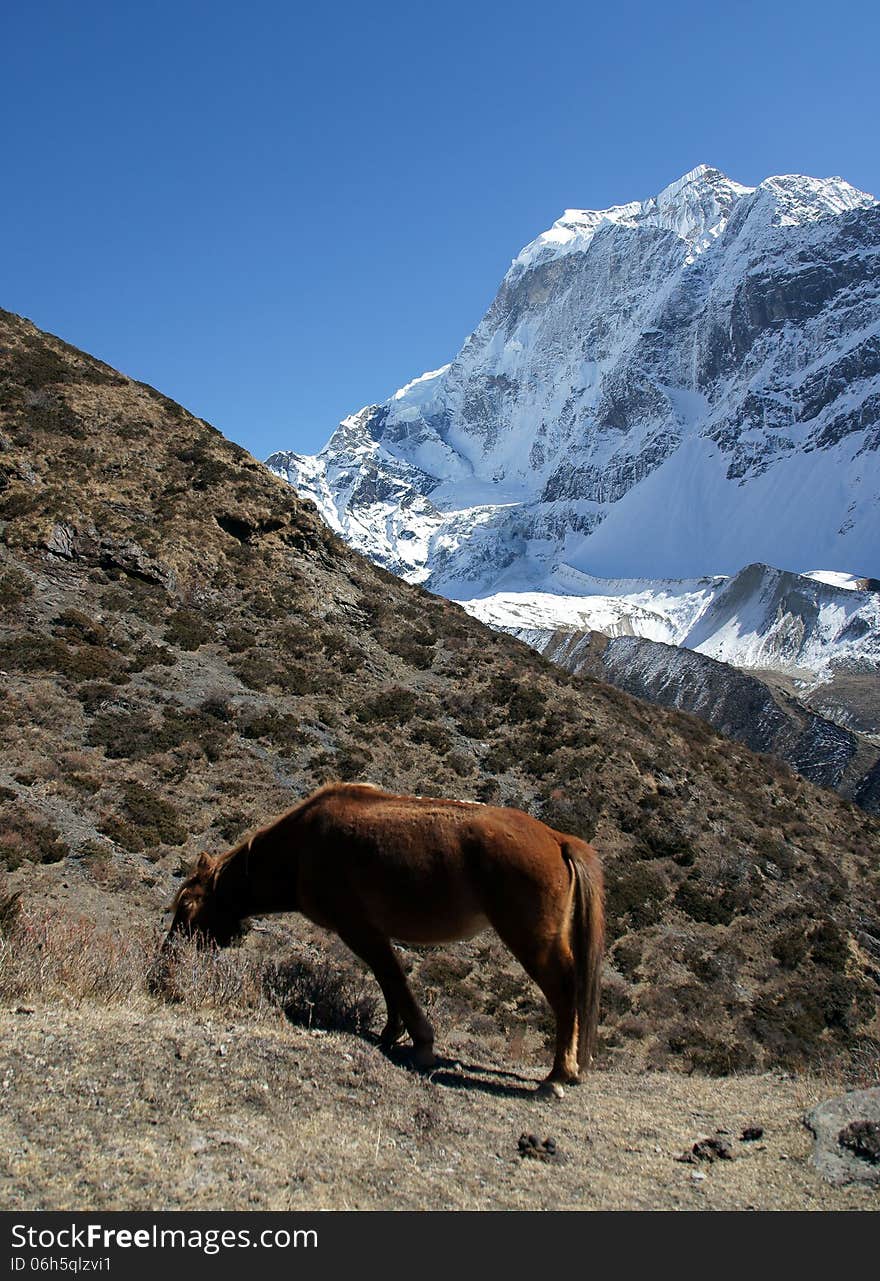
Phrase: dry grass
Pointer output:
(51, 956)
(141, 1080)
(115, 1108)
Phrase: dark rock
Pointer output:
(862, 1138)
(714, 1148)
(847, 1133)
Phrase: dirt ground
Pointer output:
(141, 1108)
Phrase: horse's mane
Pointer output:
(220, 862)
(296, 811)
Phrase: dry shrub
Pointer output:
(14, 587)
(320, 995)
(205, 977)
(10, 908)
(50, 955)
(47, 954)
(27, 839)
(53, 955)
(313, 994)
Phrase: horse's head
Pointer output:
(200, 911)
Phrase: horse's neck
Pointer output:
(255, 878)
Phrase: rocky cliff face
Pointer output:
(738, 704)
(669, 388)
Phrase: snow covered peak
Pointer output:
(797, 199)
(691, 385)
(420, 391)
(570, 234)
(700, 175)
(696, 207)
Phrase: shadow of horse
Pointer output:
(455, 1075)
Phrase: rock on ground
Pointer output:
(847, 1131)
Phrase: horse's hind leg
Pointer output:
(558, 981)
(551, 964)
(403, 1008)
(393, 1030)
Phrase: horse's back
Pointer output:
(423, 870)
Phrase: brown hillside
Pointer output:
(186, 650)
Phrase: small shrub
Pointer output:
(79, 663)
(316, 995)
(790, 947)
(239, 639)
(573, 812)
(351, 763)
(716, 1055)
(50, 954)
(281, 730)
(668, 842)
(14, 588)
(627, 954)
(81, 627)
(636, 894)
(521, 703)
(188, 630)
(489, 791)
(147, 820)
(828, 946)
(711, 906)
(461, 764)
(129, 735)
(10, 911)
(392, 706)
(500, 757)
(233, 825)
(94, 695)
(257, 671)
(27, 839)
(430, 732)
(790, 1019)
(218, 709)
(416, 649)
(149, 655)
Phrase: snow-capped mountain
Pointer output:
(765, 619)
(667, 389)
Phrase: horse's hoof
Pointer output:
(551, 1090)
(390, 1035)
(424, 1058)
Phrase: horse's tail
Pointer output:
(588, 940)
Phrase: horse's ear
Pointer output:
(205, 863)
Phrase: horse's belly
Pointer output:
(438, 928)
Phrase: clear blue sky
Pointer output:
(278, 212)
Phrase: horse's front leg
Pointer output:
(403, 1008)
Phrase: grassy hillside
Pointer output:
(187, 650)
(140, 1108)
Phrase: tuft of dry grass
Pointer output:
(59, 956)
(69, 958)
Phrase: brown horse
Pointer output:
(375, 867)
